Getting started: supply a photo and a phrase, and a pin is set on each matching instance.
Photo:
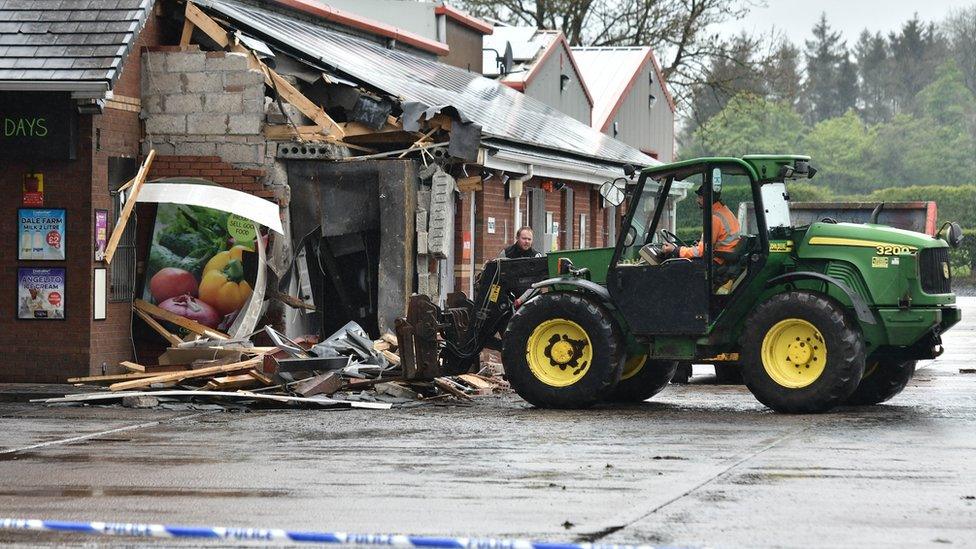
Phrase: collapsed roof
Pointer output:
(505, 116)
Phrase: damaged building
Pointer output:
(393, 172)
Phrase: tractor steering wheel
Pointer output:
(671, 238)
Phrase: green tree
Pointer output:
(748, 124)
(829, 81)
(916, 52)
(935, 145)
(874, 68)
(841, 149)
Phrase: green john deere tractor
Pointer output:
(814, 316)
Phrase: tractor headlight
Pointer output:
(951, 232)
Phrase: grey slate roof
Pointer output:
(67, 41)
(502, 112)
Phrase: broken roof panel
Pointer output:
(503, 113)
(50, 38)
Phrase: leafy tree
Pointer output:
(915, 51)
(677, 30)
(874, 70)
(960, 31)
(841, 149)
(749, 124)
(831, 83)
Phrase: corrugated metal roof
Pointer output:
(608, 73)
(500, 111)
(68, 40)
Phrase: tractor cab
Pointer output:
(692, 276)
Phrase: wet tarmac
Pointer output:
(699, 465)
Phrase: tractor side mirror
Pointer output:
(613, 191)
(952, 234)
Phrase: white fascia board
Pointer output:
(243, 204)
(77, 87)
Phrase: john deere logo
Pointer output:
(945, 270)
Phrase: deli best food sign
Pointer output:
(37, 125)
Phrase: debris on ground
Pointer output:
(346, 370)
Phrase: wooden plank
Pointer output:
(392, 357)
(232, 382)
(390, 338)
(130, 203)
(380, 345)
(133, 367)
(476, 381)
(239, 395)
(447, 386)
(169, 336)
(191, 325)
(187, 30)
(189, 374)
(291, 94)
(203, 22)
(261, 377)
(127, 184)
(109, 378)
(470, 184)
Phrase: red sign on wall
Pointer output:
(33, 190)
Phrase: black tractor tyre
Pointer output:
(883, 379)
(843, 363)
(650, 380)
(683, 374)
(728, 374)
(597, 378)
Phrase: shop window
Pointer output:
(123, 269)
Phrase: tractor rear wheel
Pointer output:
(642, 378)
(883, 379)
(562, 350)
(801, 353)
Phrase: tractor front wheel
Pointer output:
(801, 354)
(562, 350)
(883, 379)
(642, 378)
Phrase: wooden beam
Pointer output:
(133, 367)
(110, 377)
(191, 325)
(167, 335)
(187, 32)
(189, 374)
(291, 94)
(203, 22)
(130, 203)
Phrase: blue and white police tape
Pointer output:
(278, 536)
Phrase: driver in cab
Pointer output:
(725, 231)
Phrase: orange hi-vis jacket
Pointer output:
(725, 234)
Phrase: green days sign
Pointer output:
(37, 125)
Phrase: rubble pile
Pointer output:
(346, 370)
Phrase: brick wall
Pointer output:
(491, 202)
(213, 168)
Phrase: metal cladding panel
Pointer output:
(644, 127)
(607, 72)
(76, 40)
(500, 111)
(546, 86)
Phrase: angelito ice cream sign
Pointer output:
(41, 234)
(40, 293)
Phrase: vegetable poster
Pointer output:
(202, 264)
(41, 234)
(40, 293)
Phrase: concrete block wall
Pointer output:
(198, 103)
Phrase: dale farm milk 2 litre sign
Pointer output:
(41, 234)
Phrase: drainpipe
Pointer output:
(471, 252)
(515, 191)
(442, 28)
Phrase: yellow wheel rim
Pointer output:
(633, 366)
(794, 353)
(559, 352)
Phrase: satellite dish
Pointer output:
(507, 60)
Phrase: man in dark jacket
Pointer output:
(522, 247)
